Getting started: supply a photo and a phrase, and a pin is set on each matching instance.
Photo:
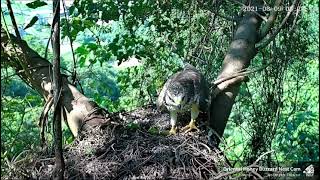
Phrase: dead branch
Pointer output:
(269, 24)
(276, 32)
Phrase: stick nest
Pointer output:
(130, 146)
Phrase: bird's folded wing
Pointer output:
(162, 93)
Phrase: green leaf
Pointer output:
(92, 46)
(153, 130)
(82, 60)
(82, 51)
(136, 84)
(32, 22)
(71, 9)
(133, 126)
(36, 4)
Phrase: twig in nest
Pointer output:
(44, 118)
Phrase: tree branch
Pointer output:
(14, 23)
(229, 18)
(76, 105)
(58, 172)
(15, 27)
(244, 5)
(276, 32)
(269, 24)
(74, 71)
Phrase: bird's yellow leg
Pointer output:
(173, 121)
(173, 131)
(192, 124)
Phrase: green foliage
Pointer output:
(277, 109)
(35, 4)
(132, 126)
(104, 90)
(19, 131)
(32, 22)
(154, 130)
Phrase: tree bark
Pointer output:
(240, 53)
(79, 112)
(57, 131)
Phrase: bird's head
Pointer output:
(176, 100)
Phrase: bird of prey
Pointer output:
(186, 90)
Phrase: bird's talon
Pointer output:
(191, 126)
(173, 131)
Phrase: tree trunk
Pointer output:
(240, 53)
(57, 131)
(79, 112)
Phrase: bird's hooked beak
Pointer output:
(179, 102)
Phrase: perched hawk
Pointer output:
(186, 90)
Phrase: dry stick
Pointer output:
(256, 174)
(190, 27)
(295, 19)
(201, 42)
(4, 88)
(74, 71)
(229, 18)
(248, 167)
(200, 152)
(242, 4)
(259, 158)
(251, 100)
(271, 19)
(15, 27)
(273, 36)
(44, 117)
(49, 102)
(47, 47)
(13, 20)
